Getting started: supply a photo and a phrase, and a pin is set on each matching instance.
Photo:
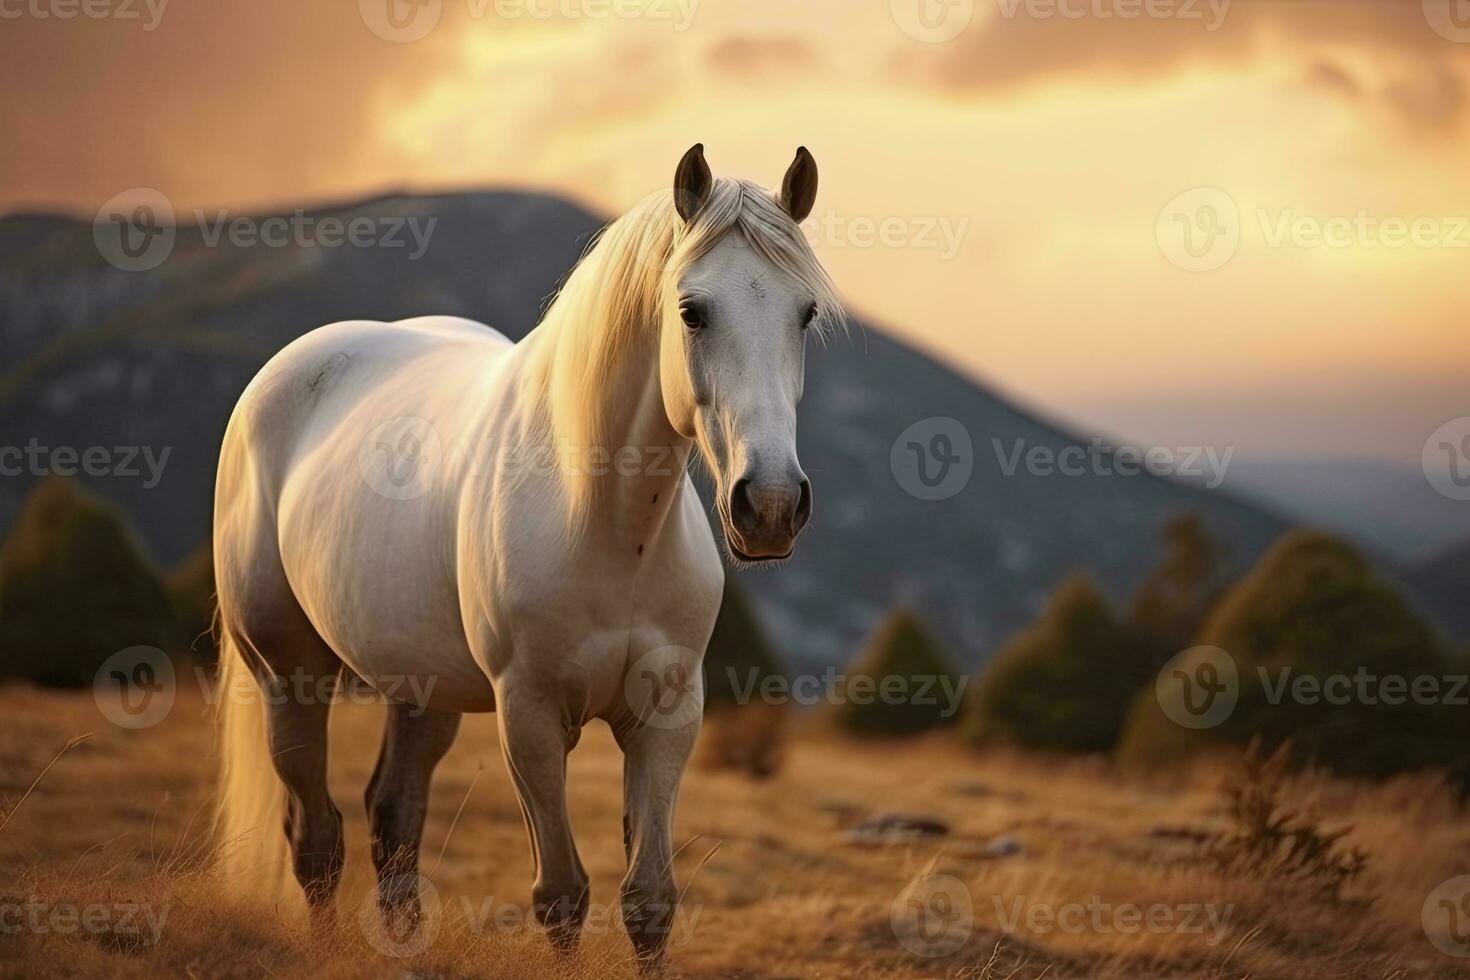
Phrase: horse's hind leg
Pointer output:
(296, 674)
(297, 705)
(414, 740)
(294, 669)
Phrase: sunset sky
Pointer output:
(1021, 171)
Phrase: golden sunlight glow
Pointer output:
(995, 198)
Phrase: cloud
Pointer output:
(283, 102)
(267, 102)
(1333, 79)
(1386, 50)
(760, 57)
(1427, 98)
(1433, 98)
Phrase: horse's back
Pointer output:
(315, 357)
(327, 372)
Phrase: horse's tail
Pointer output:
(254, 857)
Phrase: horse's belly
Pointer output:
(401, 633)
(426, 664)
(373, 576)
(371, 561)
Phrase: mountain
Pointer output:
(1450, 567)
(1444, 583)
(131, 361)
(1390, 509)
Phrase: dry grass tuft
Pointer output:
(1273, 842)
(743, 738)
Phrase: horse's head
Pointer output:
(746, 293)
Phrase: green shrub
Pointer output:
(1314, 609)
(75, 588)
(742, 731)
(1065, 683)
(1171, 603)
(190, 588)
(903, 649)
(740, 655)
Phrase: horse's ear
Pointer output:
(799, 188)
(692, 183)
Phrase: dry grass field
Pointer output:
(104, 870)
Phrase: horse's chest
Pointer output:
(592, 618)
(600, 596)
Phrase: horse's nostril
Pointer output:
(803, 508)
(742, 509)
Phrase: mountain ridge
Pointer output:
(113, 356)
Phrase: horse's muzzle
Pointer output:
(766, 515)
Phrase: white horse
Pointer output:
(475, 525)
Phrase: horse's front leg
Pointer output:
(654, 756)
(536, 733)
(414, 740)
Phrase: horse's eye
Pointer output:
(810, 316)
(691, 316)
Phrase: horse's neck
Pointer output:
(643, 458)
(638, 427)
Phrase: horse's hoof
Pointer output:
(401, 919)
(565, 939)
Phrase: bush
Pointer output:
(748, 738)
(190, 588)
(1313, 608)
(75, 588)
(740, 655)
(1065, 683)
(1171, 604)
(899, 648)
(741, 731)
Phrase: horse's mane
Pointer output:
(617, 293)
